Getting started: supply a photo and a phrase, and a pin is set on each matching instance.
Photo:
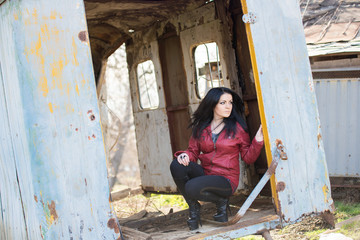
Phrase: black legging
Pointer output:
(195, 185)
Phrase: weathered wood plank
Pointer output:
(118, 195)
(53, 127)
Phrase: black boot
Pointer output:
(222, 205)
(194, 214)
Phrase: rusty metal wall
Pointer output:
(53, 179)
(339, 109)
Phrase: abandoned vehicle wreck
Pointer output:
(52, 59)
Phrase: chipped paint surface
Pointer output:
(288, 96)
(46, 90)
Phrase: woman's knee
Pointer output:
(174, 165)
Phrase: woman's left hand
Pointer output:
(259, 135)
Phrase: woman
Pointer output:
(219, 134)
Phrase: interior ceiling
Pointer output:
(110, 22)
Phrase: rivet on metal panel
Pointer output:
(249, 18)
(82, 36)
(280, 186)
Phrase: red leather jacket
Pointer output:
(222, 158)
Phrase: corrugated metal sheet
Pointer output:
(288, 107)
(53, 179)
(339, 108)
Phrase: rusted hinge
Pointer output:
(249, 18)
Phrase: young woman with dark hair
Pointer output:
(219, 135)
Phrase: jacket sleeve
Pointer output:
(193, 150)
(249, 151)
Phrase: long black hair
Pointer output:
(204, 114)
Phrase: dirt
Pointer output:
(298, 230)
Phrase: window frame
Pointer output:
(140, 105)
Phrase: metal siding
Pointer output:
(290, 107)
(10, 200)
(54, 128)
(339, 108)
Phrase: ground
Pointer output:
(142, 208)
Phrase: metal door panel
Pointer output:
(151, 125)
(288, 106)
(54, 130)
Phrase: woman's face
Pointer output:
(223, 107)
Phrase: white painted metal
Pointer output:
(290, 107)
(151, 126)
(339, 108)
(53, 171)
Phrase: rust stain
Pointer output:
(42, 236)
(89, 137)
(52, 209)
(76, 129)
(93, 136)
(35, 198)
(90, 111)
(82, 36)
(277, 142)
(280, 186)
(280, 146)
(319, 137)
(113, 225)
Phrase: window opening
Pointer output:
(147, 86)
(207, 68)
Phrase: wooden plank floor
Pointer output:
(173, 225)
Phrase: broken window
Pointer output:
(147, 86)
(207, 68)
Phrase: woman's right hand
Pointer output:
(183, 159)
